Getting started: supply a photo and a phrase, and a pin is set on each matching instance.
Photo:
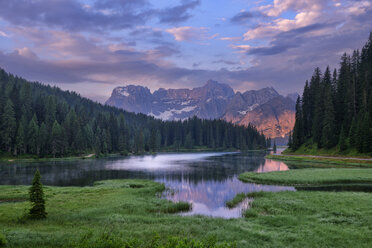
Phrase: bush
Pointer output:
(2, 240)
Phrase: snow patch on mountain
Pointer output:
(169, 114)
(123, 91)
(249, 109)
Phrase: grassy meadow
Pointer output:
(311, 176)
(131, 209)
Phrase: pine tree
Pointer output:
(139, 142)
(298, 130)
(9, 125)
(20, 140)
(57, 139)
(329, 136)
(274, 147)
(342, 140)
(153, 143)
(366, 134)
(36, 193)
(43, 139)
(290, 144)
(342, 87)
(32, 136)
(306, 110)
(189, 141)
(353, 133)
(359, 133)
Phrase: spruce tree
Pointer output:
(43, 139)
(290, 144)
(353, 133)
(317, 104)
(298, 130)
(188, 141)
(36, 193)
(306, 110)
(342, 140)
(366, 134)
(274, 147)
(9, 125)
(329, 136)
(153, 142)
(32, 136)
(57, 139)
(20, 140)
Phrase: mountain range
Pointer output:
(269, 111)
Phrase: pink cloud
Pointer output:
(188, 33)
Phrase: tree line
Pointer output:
(335, 111)
(45, 121)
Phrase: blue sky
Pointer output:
(93, 46)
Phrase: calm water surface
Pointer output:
(207, 180)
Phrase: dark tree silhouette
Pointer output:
(336, 112)
(36, 192)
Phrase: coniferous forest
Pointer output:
(335, 111)
(48, 122)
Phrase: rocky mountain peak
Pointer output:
(265, 108)
(214, 89)
(130, 90)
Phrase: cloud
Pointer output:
(244, 16)
(73, 16)
(102, 15)
(231, 38)
(3, 34)
(227, 62)
(188, 33)
(359, 7)
(307, 12)
(178, 13)
(146, 31)
(285, 40)
(280, 6)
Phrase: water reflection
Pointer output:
(207, 180)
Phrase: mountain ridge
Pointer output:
(213, 100)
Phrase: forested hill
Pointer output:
(46, 121)
(335, 111)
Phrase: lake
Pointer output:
(207, 180)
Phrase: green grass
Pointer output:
(323, 162)
(236, 200)
(312, 176)
(130, 209)
(315, 219)
(310, 148)
(241, 197)
(108, 240)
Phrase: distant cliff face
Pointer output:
(265, 108)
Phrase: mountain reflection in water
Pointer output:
(207, 180)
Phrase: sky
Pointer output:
(93, 46)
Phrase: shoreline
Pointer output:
(6, 159)
(352, 161)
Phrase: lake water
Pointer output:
(207, 180)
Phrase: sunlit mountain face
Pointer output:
(93, 46)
